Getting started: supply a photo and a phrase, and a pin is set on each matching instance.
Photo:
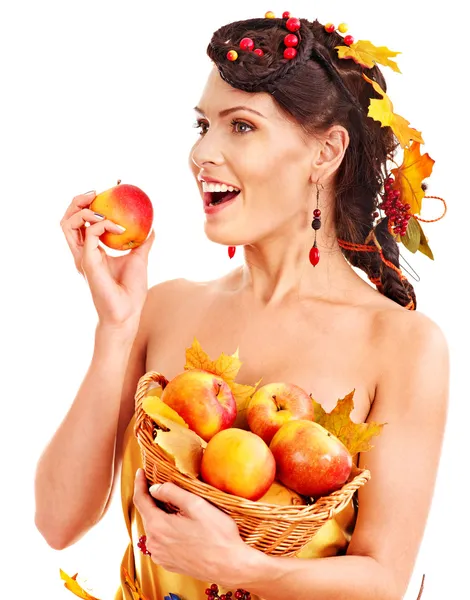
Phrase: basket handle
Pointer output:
(142, 391)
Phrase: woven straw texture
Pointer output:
(274, 530)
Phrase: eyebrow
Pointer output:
(227, 111)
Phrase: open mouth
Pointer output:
(216, 198)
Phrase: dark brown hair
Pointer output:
(317, 90)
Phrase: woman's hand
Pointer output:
(200, 541)
(118, 284)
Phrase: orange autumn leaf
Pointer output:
(410, 174)
(355, 436)
(382, 111)
(364, 53)
(154, 407)
(226, 367)
(73, 586)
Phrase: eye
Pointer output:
(200, 123)
(241, 125)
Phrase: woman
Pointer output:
(287, 133)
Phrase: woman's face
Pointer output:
(247, 142)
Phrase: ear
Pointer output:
(333, 144)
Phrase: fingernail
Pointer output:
(138, 472)
(153, 489)
(120, 227)
(99, 216)
(90, 193)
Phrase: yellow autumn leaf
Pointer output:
(355, 436)
(227, 367)
(155, 408)
(382, 111)
(366, 54)
(410, 174)
(134, 587)
(73, 586)
(183, 447)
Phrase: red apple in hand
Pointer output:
(128, 206)
(204, 400)
(309, 459)
(275, 404)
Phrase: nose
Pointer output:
(207, 151)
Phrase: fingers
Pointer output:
(79, 202)
(92, 239)
(144, 248)
(190, 504)
(142, 499)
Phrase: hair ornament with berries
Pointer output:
(321, 77)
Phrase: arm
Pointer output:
(412, 399)
(75, 475)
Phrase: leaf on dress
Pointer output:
(355, 436)
(134, 586)
(73, 586)
(366, 54)
(382, 111)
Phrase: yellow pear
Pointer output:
(281, 495)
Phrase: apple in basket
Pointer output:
(203, 400)
(275, 404)
(238, 462)
(128, 206)
(309, 459)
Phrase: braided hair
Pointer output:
(319, 90)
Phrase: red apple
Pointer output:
(203, 400)
(238, 462)
(275, 404)
(309, 459)
(128, 206)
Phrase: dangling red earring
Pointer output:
(314, 255)
(231, 251)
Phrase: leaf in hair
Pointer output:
(364, 53)
(409, 177)
(423, 244)
(382, 111)
(412, 237)
(355, 436)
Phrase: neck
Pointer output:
(278, 268)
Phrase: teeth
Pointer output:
(218, 187)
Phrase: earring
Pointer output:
(314, 255)
(231, 251)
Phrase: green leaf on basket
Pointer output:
(355, 436)
(182, 446)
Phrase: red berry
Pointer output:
(258, 51)
(407, 206)
(231, 254)
(293, 24)
(247, 44)
(348, 40)
(207, 591)
(214, 587)
(329, 27)
(290, 53)
(291, 40)
(286, 14)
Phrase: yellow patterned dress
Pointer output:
(155, 583)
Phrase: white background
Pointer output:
(92, 92)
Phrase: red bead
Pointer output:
(286, 14)
(317, 212)
(247, 44)
(258, 51)
(231, 253)
(293, 24)
(232, 55)
(348, 40)
(314, 256)
(329, 27)
(291, 40)
(290, 53)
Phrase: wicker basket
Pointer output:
(275, 530)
